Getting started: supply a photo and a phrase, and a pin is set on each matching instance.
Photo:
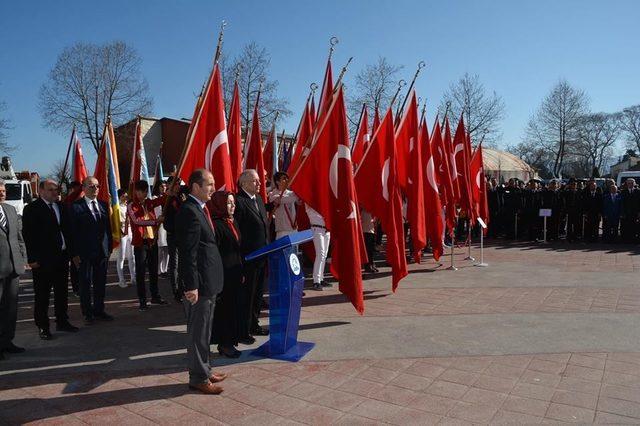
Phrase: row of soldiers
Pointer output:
(578, 210)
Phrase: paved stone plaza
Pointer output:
(545, 334)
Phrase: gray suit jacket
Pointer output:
(13, 254)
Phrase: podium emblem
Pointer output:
(294, 263)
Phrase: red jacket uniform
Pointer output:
(137, 222)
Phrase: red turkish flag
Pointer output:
(443, 174)
(306, 126)
(235, 135)
(253, 158)
(379, 193)
(432, 204)
(453, 170)
(79, 172)
(479, 186)
(407, 140)
(267, 152)
(362, 138)
(376, 122)
(328, 166)
(326, 96)
(461, 153)
(209, 147)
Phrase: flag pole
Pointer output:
(469, 257)
(482, 264)
(421, 65)
(342, 72)
(401, 84)
(220, 37)
(453, 245)
(66, 159)
(196, 113)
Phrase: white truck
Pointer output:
(20, 187)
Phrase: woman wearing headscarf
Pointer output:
(226, 319)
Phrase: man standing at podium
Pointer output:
(201, 270)
(251, 217)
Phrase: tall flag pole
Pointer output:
(269, 153)
(186, 163)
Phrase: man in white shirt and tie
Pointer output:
(45, 235)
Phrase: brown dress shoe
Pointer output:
(217, 378)
(207, 388)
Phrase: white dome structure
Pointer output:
(504, 165)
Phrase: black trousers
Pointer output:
(610, 229)
(252, 298)
(574, 227)
(92, 275)
(73, 276)
(46, 277)
(370, 245)
(199, 323)
(591, 226)
(172, 268)
(146, 257)
(629, 229)
(8, 309)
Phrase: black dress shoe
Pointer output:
(326, 284)
(317, 286)
(88, 320)
(248, 340)
(103, 316)
(12, 349)
(66, 326)
(260, 331)
(229, 352)
(143, 307)
(158, 301)
(44, 334)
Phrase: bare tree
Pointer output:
(55, 173)
(253, 64)
(482, 111)
(374, 85)
(597, 133)
(88, 83)
(533, 154)
(630, 124)
(5, 126)
(556, 123)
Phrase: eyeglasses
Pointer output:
(96, 186)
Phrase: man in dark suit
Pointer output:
(592, 210)
(12, 260)
(611, 208)
(90, 247)
(201, 270)
(44, 229)
(251, 218)
(630, 213)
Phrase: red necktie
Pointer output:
(206, 213)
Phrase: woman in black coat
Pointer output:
(226, 319)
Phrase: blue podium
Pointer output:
(286, 283)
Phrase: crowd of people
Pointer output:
(579, 209)
(199, 238)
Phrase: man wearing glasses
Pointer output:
(90, 247)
